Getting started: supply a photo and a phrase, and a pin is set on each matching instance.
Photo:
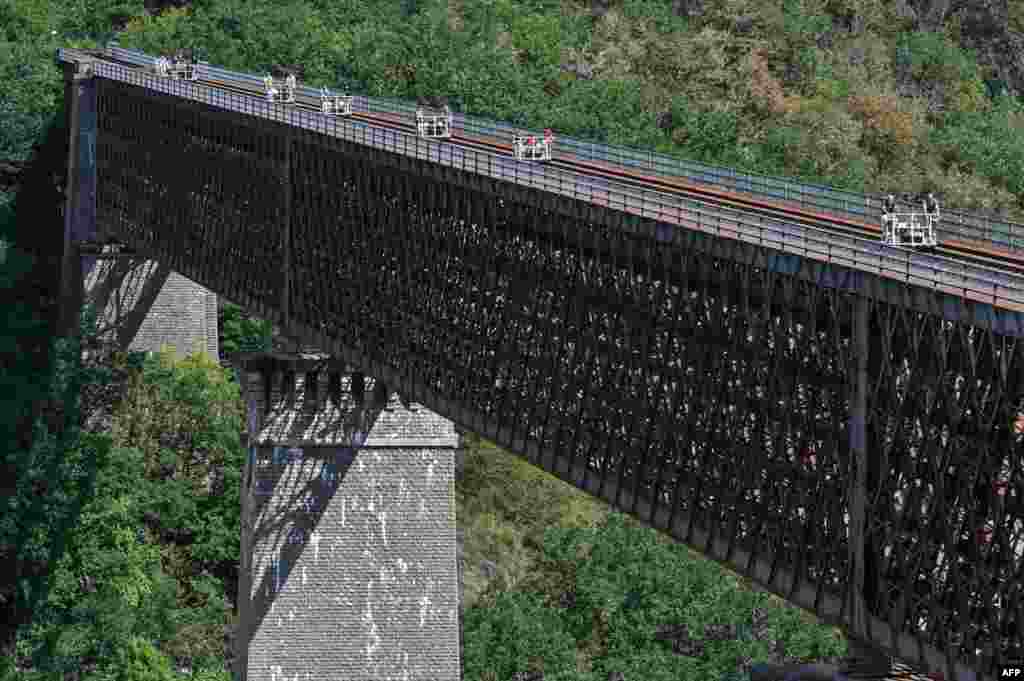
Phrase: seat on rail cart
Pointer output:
(336, 105)
(286, 95)
(179, 68)
(185, 70)
(433, 124)
(530, 148)
(909, 229)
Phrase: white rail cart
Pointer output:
(434, 124)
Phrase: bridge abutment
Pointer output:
(140, 304)
(348, 529)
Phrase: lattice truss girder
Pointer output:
(177, 180)
(947, 518)
(716, 389)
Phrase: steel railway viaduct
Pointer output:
(844, 438)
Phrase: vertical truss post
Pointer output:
(80, 191)
(857, 491)
(286, 233)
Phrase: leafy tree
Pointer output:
(540, 39)
(95, 20)
(185, 417)
(240, 332)
(112, 579)
(137, 660)
(708, 135)
(933, 56)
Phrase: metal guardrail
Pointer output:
(954, 224)
(969, 281)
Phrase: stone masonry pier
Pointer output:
(348, 531)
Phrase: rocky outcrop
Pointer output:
(581, 69)
(688, 8)
(1000, 49)
(984, 27)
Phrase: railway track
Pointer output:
(974, 254)
(992, 269)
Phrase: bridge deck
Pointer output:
(982, 284)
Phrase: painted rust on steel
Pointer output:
(701, 384)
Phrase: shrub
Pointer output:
(137, 660)
(765, 90)
(817, 143)
(888, 131)
(515, 634)
(933, 56)
(990, 143)
(1016, 15)
(803, 21)
(969, 95)
(240, 332)
(972, 192)
(539, 37)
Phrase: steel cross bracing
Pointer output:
(674, 375)
(975, 282)
(954, 224)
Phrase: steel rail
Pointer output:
(980, 255)
(1001, 282)
(853, 205)
(962, 252)
(1000, 289)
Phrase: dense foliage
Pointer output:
(137, 528)
(240, 332)
(119, 545)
